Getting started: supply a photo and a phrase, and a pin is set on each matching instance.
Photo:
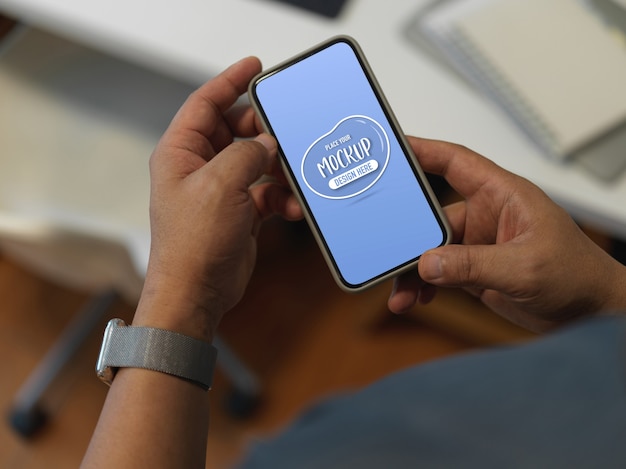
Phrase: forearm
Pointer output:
(151, 419)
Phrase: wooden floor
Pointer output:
(303, 337)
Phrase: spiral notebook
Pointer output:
(556, 68)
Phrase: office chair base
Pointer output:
(28, 414)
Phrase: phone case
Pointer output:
(402, 140)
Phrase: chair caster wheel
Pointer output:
(27, 422)
(241, 405)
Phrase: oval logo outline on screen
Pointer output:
(348, 160)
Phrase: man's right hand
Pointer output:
(515, 248)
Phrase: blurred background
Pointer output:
(85, 92)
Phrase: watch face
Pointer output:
(105, 372)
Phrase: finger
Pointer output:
(259, 124)
(241, 120)
(204, 108)
(405, 293)
(456, 213)
(238, 121)
(242, 163)
(427, 294)
(465, 170)
(474, 267)
(276, 199)
(278, 173)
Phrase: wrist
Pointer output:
(171, 304)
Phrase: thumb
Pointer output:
(476, 266)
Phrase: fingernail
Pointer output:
(430, 267)
(267, 141)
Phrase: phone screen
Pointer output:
(363, 195)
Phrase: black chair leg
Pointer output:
(245, 394)
(28, 415)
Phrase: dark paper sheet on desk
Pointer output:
(539, 61)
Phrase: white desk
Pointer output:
(193, 39)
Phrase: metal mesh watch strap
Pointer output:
(158, 350)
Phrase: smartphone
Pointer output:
(364, 195)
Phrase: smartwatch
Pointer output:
(153, 349)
